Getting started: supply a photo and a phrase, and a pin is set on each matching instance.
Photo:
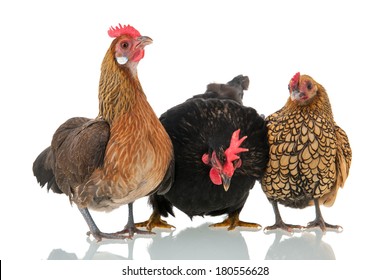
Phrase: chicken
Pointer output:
(220, 149)
(122, 155)
(310, 155)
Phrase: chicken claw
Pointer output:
(130, 227)
(95, 231)
(279, 224)
(128, 232)
(232, 221)
(155, 221)
(323, 226)
(283, 226)
(320, 222)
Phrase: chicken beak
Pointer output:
(143, 41)
(295, 95)
(226, 181)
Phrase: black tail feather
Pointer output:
(233, 90)
(43, 170)
(161, 205)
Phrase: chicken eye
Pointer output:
(309, 86)
(125, 45)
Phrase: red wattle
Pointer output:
(205, 159)
(138, 55)
(215, 177)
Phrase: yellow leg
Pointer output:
(233, 221)
(154, 221)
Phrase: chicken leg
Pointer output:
(130, 227)
(94, 230)
(233, 221)
(319, 221)
(279, 224)
(155, 221)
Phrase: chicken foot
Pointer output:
(155, 221)
(279, 224)
(233, 221)
(130, 227)
(94, 230)
(320, 222)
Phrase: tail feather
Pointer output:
(233, 90)
(161, 205)
(43, 170)
(167, 182)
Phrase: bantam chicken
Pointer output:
(310, 155)
(122, 155)
(220, 149)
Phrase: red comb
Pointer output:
(294, 81)
(123, 30)
(234, 148)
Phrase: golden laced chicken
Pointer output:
(310, 155)
(122, 155)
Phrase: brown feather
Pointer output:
(78, 148)
(343, 163)
(137, 156)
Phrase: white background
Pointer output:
(50, 56)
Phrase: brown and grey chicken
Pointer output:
(310, 155)
(122, 155)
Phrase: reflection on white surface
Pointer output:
(203, 243)
(308, 246)
(96, 251)
(200, 243)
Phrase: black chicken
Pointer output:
(217, 141)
